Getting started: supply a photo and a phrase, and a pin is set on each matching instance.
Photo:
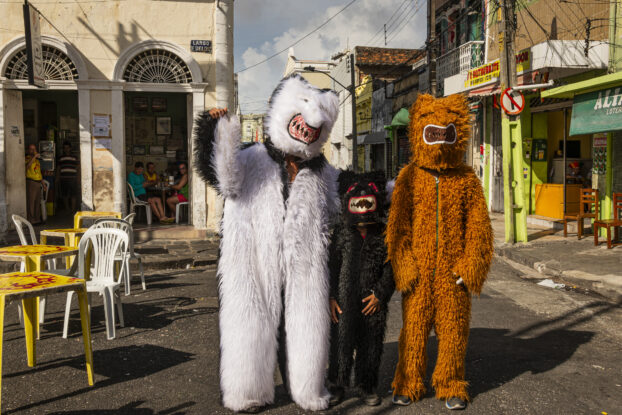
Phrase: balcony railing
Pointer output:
(459, 60)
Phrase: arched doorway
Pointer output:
(46, 118)
(162, 94)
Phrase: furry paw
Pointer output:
(228, 127)
(316, 403)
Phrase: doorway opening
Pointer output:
(156, 131)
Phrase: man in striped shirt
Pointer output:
(68, 174)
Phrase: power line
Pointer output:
(387, 22)
(397, 32)
(299, 40)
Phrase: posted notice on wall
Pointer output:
(101, 125)
(103, 144)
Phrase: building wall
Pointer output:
(102, 30)
(100, 35)
(542, 20)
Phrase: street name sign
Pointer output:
(204, 46)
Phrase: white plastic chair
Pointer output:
(104, 244)
(134, 203)
(130, 218)
(20, 223)
(44, 197)
(178, 208)
(125, 227)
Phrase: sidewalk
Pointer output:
(566, 260)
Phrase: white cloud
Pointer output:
(356, 26)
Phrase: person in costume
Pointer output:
(280, 201)
(361, 285)
(440, 243)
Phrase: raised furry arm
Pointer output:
(399, 232)
(217, 143)
(474, 263)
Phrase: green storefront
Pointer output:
(597, 110)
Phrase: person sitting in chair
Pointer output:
(136, 179)
(181, 189)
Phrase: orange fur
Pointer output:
(425, 266)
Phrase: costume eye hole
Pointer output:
(305, 100)
(351, 187)
(373, 186)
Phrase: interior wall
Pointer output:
(14, 153)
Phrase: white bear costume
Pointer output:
(274, 245)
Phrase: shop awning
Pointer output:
(597, 103)
(401, 119)
(372, 138)
(583, 87)
(548, 104)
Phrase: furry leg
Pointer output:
(453, 311)
(369, 351)
(307, 326)
(248, 329)
(417, 317)
(341, 352)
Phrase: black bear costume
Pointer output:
(358, 269)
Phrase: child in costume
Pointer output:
(280, 201)
(361, 285)
(440, 244)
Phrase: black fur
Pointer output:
(204, 148)
(358, 267)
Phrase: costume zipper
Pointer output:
(437, 208)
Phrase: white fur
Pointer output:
(390, 187)
(224, 158)
(318, 108)
(268, 247)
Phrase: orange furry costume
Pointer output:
(438, 231)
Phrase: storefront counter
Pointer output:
(550, 199)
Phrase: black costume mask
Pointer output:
(363, 197)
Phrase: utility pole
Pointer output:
(615, 36)
(385, 34)
(353, 100)
(432, 46)
(511, 136)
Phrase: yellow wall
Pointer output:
(363, 105)
(102, 30)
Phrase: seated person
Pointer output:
(150, 174)
(181, 188)
(136, 179)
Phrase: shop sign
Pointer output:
(482, 74)
(523, 61)
(204, 46)
(597, 111)
(34, 51)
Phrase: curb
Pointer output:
(552, 269)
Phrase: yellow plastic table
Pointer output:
(34, 256)
(28, 286)
(70, 235)
(80, 216)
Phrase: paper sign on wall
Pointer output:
(101, 125)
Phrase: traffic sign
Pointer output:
(512, 101)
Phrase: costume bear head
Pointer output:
(363, 197)
(300, 117)
(439, 131)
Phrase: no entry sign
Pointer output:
(512, 102)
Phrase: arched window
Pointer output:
(157, 66)
(56, 65)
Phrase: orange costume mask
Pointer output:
(438, 232)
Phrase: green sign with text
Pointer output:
(597, 112)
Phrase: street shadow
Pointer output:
(541, 234)
(116, 365)
(132, 408)
(145, 315)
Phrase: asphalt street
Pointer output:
(532, 350)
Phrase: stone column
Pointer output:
(223, 61)
(198, 202)
(86, 152)
(118, 148)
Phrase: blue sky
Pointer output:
(263, 27)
